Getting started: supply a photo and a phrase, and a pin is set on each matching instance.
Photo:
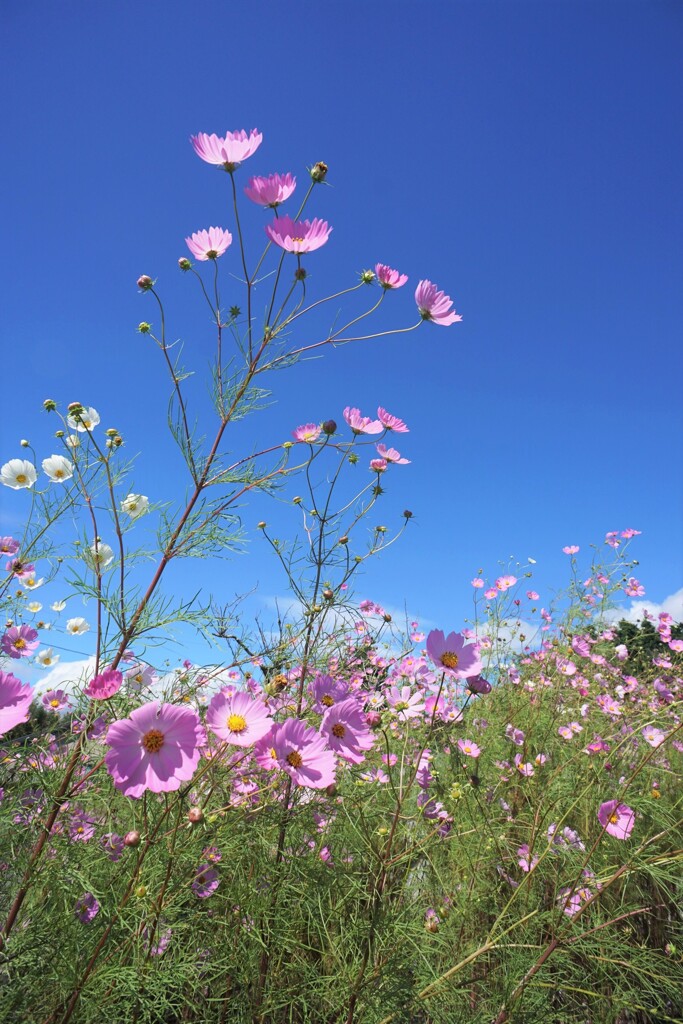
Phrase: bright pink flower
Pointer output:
(19, 641)
(157, 748)
(238, 718)
(298, 750)
(361, 424)
(469, 748)
(346, 730)
(634, 588)
(391, 455)
(389, 278)
(378, 465)
(532, 595)
(298, 236)
(15, 701)
(571, 549)
(328, 691)
(105, 685)
(453, 655)
(226, 152)
(390, 422)
(617, 819)
(612, 538)
(270, 191)
(434, 305)
(627, 534)
(209, 245)
(309, 432)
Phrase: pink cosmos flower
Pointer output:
(434, 305)
(627, 534)
(328, 691)
(655, 737)
(405, 703)
(19, 641)
(157, 748)
(309, 432)
(87, 908)
(634, 588)
(469, 748)
(298, 236)
(390, 422)
(490, 594)
(209, 245)
(8, 546)
(105, 685)
(54, 700)
(453, 655)
(238, 718)
(205, 881)
(526, 862)
(228, 152)
(391, 455)
(477, 582)
(378, 465)
(504, 583)
(15, 701)
(298, 750)
(532, 595)
(270, 191)
(571, 549)
(389, 278)
(345, 728)
(113, 845)
(361, 424)
(617, 819)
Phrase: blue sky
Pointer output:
(524, 156)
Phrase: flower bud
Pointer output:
(59, 433)
(145, 283)
(261, 525)
(287, 445)
(300, 274)
(131, 838)
(407, 514)
(297, 500)
(49, 405)
(344, 539)
(329, 427)
(195, 815)
(111, 432)
(74, 408)
(328, 594)
(318, 172)
(117, 441)
(373, 719)
(387, 617)
(358, 558)
(141, 891)
(184, 263)
(353, 458)
(144, 327)
(380, 529)
(367, 276)
(331, 790)
(24, 443)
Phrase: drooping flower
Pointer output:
(209, 245)
(271, 191)
(15, 701)
(85, 421)
(205, 881)
(390, 422)
(453, 655)
(298, 750)
(104, 685)
(55, 700)
(18, 473)
(298, 236)
(58, 468)
(135, 505)
(434, 305)
(157, 748)
(87, 908)
(389, 278)
(309, 432)
(345, 727)
(238, 718)
(477, 684)
(361, 424)
(617, 819)
(227, 152)
(391, 455)
(19, 641)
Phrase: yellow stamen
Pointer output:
(153, 741)
(237, 723)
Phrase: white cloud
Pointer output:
(673, 605)
(66, 675)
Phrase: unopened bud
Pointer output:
(344, 539)
(111, 432)
(373, 719)
(367, 276)
(117, 441)
(328, 594)
(195, 815)
(49, 405)
(387, 617)
(353, 458)
(407, 514)
(261, 525)
(131, 838)
(141, 891)
(381, 529)
(59, 433)
(145, 282)
(24, 443)
(288, 444)
(318, 172)
(184, 263)
(300, 274)
(74, 408)
(329, 427)
(297, 500)
(144, 327)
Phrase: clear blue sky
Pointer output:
(525, 156)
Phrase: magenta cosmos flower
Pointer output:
(19, 641)
(345, 727)
(238, 718)
(309, 432)
(105, 685)
(55, 700)
(227, 152)
(209, 245)
(15, 701)
(616, 819)
(453, 655)
(295, 748)
(298, 236)
(271, 191)
(361, 424)
(434, 305)
(157, 748)
(205, 881)
(389, 278)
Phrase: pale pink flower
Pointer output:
(571, 549)
(298, 236)
(389, 278)
(271, 191)
(390, 422)
(532, 595)
(490, 593)
(227, 152)
(209, 245)
(378, 465)
(505, 582)
(634, 588)
(655, 737)
(617, 819)
(391, 455)
(361, 424)
(309, 432)
(405, 703)
(452, 655)
(469, 748)
(477, 582)
(627, 534)
(15, 701)
(434, 305)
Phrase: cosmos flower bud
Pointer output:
(344, 539)
(141, 891)
(195, 815)
(184, 263)
(407, 514)
(329, 427)
(131, 838)
(387, 617)
(24, 443)
(49, 405)
(297, 499)
(367, 276)
(144, 327)
(145, 282)
(111, 432)
(318, 172)
(75, 408)
(373, 718)
(261, 526)
(59, 433)
(328, 594)
(300, 274)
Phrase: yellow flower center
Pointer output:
(237, 723)
(21, 478)
(294, 759)
(297, 239)
(59, 473)
(153, 741)
(338, 730)
(401, 706)
(211, 254)
(327, 700)
(20, 643)
(53, 703)
(449, 659)
(614, 818)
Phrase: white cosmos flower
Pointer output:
(58, 468)
(135, 505)
(31, 583)
(46, 658)
(77, 626)
(34, 606)
(87, 421)
(101, 555)
(18, 473)
(58, 606)
(72, 440)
